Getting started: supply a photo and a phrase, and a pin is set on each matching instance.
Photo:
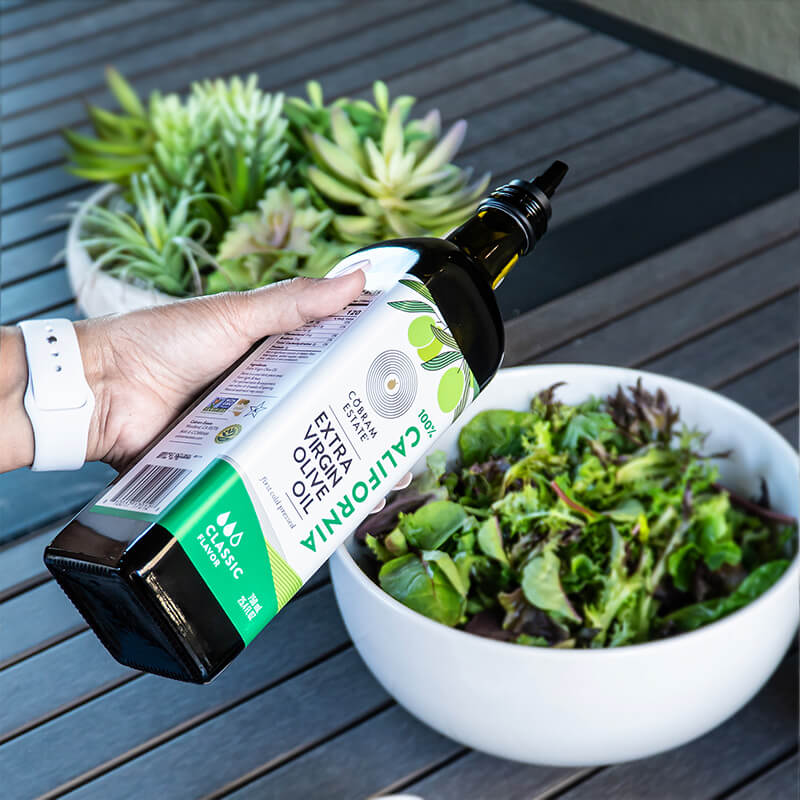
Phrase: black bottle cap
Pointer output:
(528, 202)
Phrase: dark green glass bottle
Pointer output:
(177, 568)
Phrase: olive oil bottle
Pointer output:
(188, 554)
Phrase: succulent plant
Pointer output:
(384, 176)
(232, 187)
(247, 152)
(226, 138)
(145, 242)
(282, 238)
(123, 144)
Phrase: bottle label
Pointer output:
(281, 461)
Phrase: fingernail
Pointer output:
(404, 481)
(364, 264)
(379, 507)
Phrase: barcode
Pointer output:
(150, 486)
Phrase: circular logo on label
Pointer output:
(226, 434)
(391, 384)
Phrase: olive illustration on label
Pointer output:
(391, 384)
(451, 387)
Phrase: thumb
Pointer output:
(288, 305)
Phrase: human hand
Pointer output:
(145, 367)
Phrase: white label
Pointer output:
(323, 421)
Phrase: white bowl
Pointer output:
(96, 292)
(587, 707)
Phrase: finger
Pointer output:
(403, 482)
(379, 507)
(288, 305)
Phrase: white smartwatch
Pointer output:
(58, 400)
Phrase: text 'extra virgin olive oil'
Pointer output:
(191, 551)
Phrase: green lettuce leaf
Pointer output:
(754, 585)
(493, 433)
(432, 525)
(542, 588)
(424, 586)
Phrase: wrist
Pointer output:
(17, 449)
(94, 356)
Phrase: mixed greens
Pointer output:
(596, 525)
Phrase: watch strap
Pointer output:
(58, 400)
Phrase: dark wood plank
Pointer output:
(789, 428)
(55, 680)
(51, 661)
(587, 308)
(342, 768)
(50, 16)
(762, 731)
(209, 23)
(270, 727)
(21, 561)
(466, 31)
(306, 47)
(21, 492)
(27, 297)
(781, 782)
(21, 262)
(8, 6)
(683, 154)
(769, 390)
(644, 334)
(154, 708)
(482, 777)
(165, 20)
(733, 348)
(620, 112)
(34, 618)
(573, 77)
(40, 185)
(30, 222)
(46, 149)
(431, 76)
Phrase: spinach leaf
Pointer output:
(589, 425)
(432, 525)
(541, 586)
(424, 586)
(490, 540)
(754, 585)
(493, 433)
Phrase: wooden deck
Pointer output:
(705, 289)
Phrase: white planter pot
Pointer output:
(96, 292)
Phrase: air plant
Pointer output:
(147, 243)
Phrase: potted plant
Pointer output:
(232, 188)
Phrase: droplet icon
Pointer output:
(236, 538)
(229, 528)
(223, 518)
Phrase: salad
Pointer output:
(577, 526)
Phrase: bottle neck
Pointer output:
(494, 240)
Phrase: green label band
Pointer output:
(219, 530)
